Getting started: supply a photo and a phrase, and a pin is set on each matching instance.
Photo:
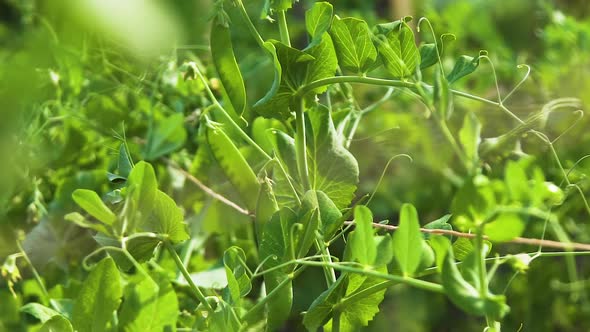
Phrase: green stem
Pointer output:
(325, 253)
(300, 144)
(187, 276)
(417, 283)
(283, 28)
(229, 119)
(336, 320)
(250, 25)
(34, 270)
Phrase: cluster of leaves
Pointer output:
(278, 178)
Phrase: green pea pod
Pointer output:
(443, 98)
(234, 165)
(266, 206)
(225, 63)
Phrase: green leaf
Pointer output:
(39, 311)
(504, 227)
(98, 298)
(428, 55)
(150, 304)
(354, 47)
(235, 167)
(397, 48)
(238, 281)
(222, 53)
(466, 296)
(407, 241)
(290, 68)
(462, 247)
(469, 137)
(143, 187)
(517, 181)
(325, 62)
(166, 219)
(168, 135)
(317, 20)
(333, 169)
(463, 67)
(354, 314)
(91, 203)
(57, 323)
(362, 245)
(223, 318)
(79, 220)
(329, 215)
(440, 223)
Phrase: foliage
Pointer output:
(255, 182)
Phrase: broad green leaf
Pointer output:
(466, 296)
(222, 53)
(517, 181)
(470, 266)
(333, 169)
(276, 241)
(98, 298)
(294, 68)
(505, 227)
(223, 318)
(397, 47)
(143, 187)
(149, 304)
(407, 240)
(317, 20)
(329, 215)
(463, 67)
(440, 223)
(440, 245)
(79, 220)
(290, 68)
(353, 43)
(325, 62)
(474, 200)
(362, 245)
(39, 311)
(355, 314)
(57, 323)
(469, 136)
(428, 256)
(462, 247)
(169, 134)
(235, 167)
(213, 278)
(428, 55)
(166, 219)
(91, 203)
(238, 281)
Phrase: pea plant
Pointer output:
(283, 163)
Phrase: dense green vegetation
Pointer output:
(294, 166)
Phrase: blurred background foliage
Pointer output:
(79, 77)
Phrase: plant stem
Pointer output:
(283, 28)
(34, 270)
(250, 25)
(325, 253)
(187, 276)
(429, 286)
(301, 145)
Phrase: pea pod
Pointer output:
(225, 63)
(234, 165)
